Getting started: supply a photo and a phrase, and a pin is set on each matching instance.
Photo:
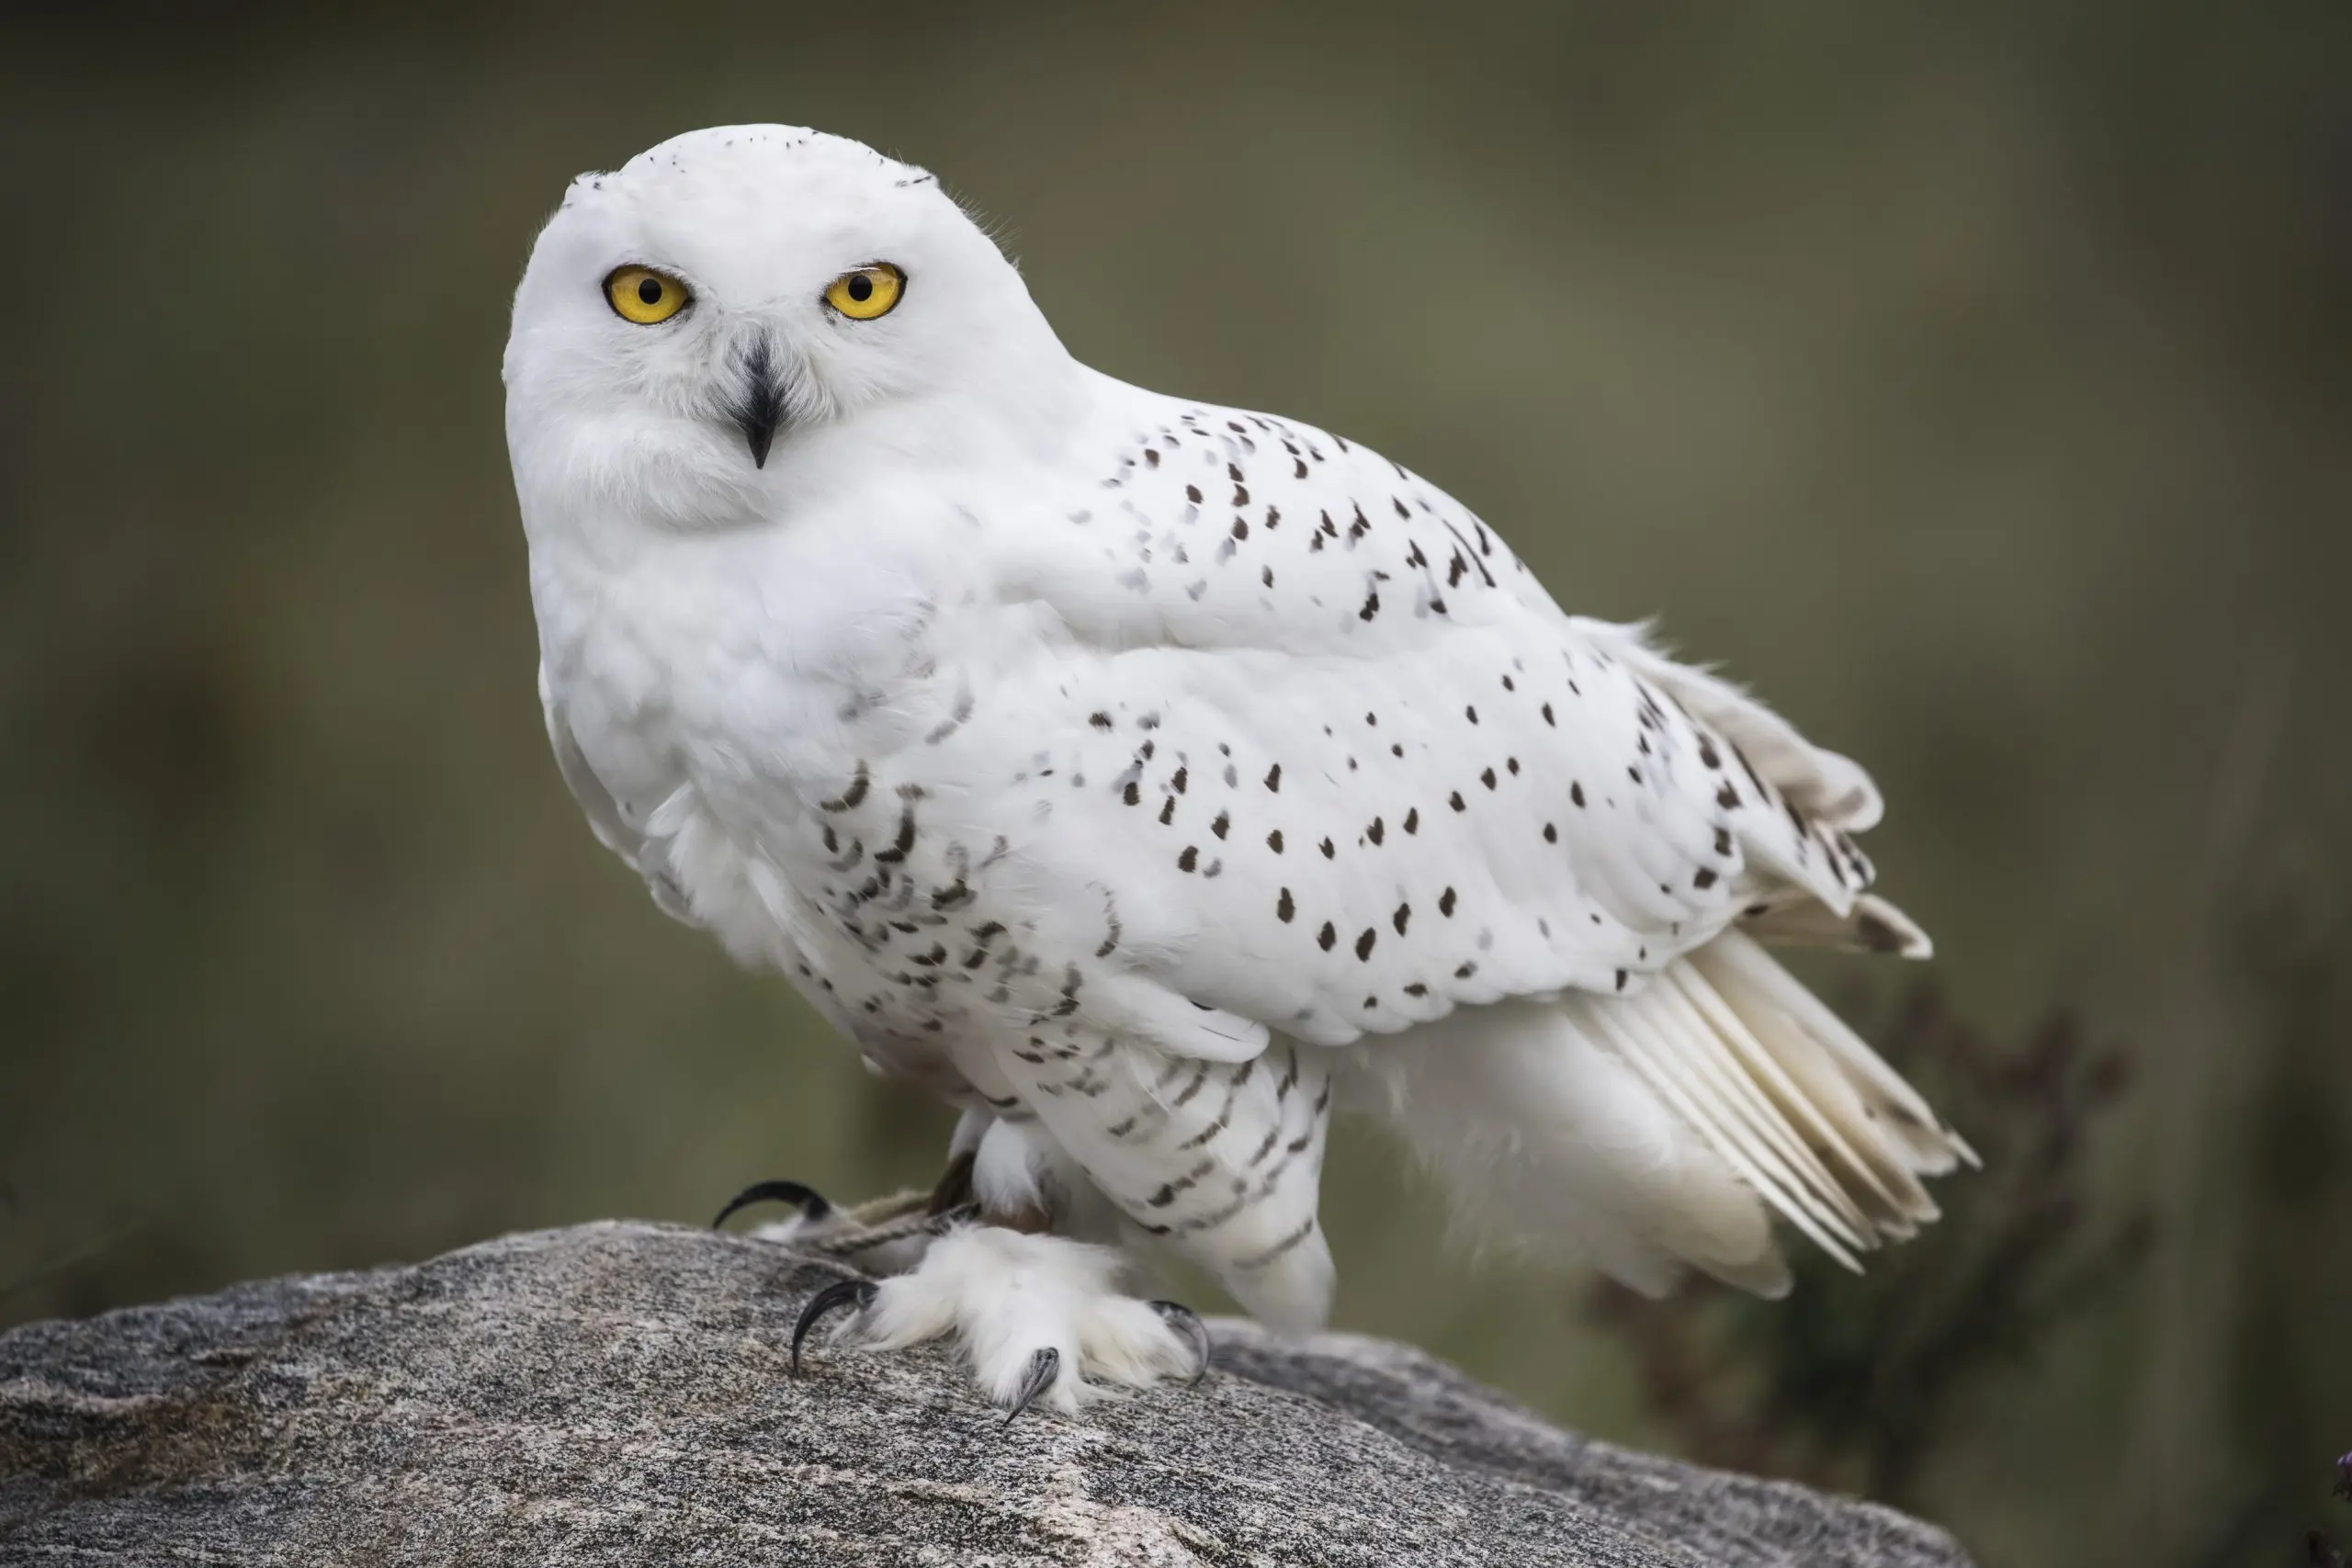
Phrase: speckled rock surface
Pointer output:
(616, 1393)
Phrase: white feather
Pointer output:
(1097, 759)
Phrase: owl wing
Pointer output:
(1351, 766)
(603, 814)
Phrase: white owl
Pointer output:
(1151, 779)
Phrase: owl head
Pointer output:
(740, 316)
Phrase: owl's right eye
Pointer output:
(641, 295)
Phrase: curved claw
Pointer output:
(810, 1203)
(1044, 1367)
(1187, 1322)
(824, 1301)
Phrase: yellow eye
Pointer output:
(868, 292)
(641, 295)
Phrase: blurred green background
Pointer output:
(1974, 380)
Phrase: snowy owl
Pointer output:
(1151, 779)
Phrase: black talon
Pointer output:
(1185, 1321)
(811, 1203)
(1043, 1368)
(824, 1301)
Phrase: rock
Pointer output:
(618, 1393)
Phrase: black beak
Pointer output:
(757, 407)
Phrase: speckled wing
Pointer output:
(1339, 765)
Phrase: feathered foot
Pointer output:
(1038, 1316)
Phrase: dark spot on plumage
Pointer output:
(1267, 577)
(1508, 686)
(1413, 819)
(1151, 456)
(1486, 777)
(858, 786)
(1240, 529)
(1376, 832)
(1551, 834)
(1363, 944)
(1455, 801)
(1329, 847)
(905, 840)
(1285, 907)
(1471, 713)
(1274, 777)
(1193, 494)
(1274, 841)
(1328, 937)
(1417, 989)
(1371, 606)
(1465, 971)
(1749, 769)
(1240, 495)
(1620, 980)
(1397, 750)
(1511, 765)
(1100, 720)
(1708, 756)
(1727, 797)
(1398, 504)
(1705, 879)
(1723, 840)
(1299, 470)
(1177, 780)
(1167, 810)
(1133, 793)
(1445, 903)
(1404, 913)
(1222, 823)
(1633, 772)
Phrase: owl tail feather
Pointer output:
(1654, 1130)
(1794, 1101)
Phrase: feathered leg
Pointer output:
(1038, 1313)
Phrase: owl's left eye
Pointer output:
(641, 295)
(868, 292)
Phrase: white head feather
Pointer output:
(614, 420)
